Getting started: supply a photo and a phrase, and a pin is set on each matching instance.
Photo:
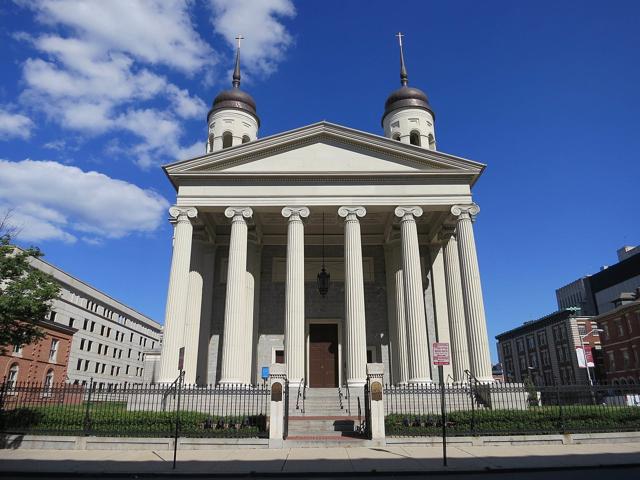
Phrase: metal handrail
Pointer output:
(346, 386)
(301, 394)
(340, 404)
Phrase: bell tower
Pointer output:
(408, 117)
(232, 119)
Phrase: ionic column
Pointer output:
(455, 302)
(234, 354)
(177, 294)
(355, 328)
(479, 358)
(397, 322)
(294, 295)
(193, 312)
(418, 347)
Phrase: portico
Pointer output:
(385, 230)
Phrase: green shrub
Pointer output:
(535, 420)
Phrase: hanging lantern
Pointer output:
(324, 277)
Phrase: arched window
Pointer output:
(246, 139)
(396, 136)
(210, 145)
(432, 142)
(12, 378)
(414, 138)
(227, 139)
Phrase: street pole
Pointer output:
(175, 442)
(586, 363)
(443, 411)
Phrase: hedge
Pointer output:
(71, 420)
(536, 420)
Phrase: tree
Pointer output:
(25, 292)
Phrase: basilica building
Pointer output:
(324, 248)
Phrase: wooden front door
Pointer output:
(323, 355)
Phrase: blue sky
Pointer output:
(95, 96)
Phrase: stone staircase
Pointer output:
(324, 421)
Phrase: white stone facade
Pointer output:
(380, 207)
(112, 339)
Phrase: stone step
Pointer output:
(306, 425)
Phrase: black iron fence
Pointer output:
(510, 409)
(136, 410)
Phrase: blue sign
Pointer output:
(265, 373)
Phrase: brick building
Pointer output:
(621, 339)
(43, 362)
(545, 349)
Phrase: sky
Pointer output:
(96, 96)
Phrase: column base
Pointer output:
(231, 382)
(486, 380)
(356, 382)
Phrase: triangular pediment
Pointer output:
(323, 148)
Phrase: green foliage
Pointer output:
(535, 420)
(25, 294)
(115, 420)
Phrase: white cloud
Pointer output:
(52, 201)
(97, 65)
(14, 125)
(267, 39)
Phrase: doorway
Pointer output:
(323, 355)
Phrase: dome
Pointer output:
(407, 97)
(234, 98)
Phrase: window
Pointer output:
(108, 332)
(546, 360)
(93, 325)
(582, 330)
(48, 383)
(127, 370)
(542, 338)
(245, 139)
(227, 139)
(85, 323)
(104, 365)
(99, 348)
(531, 344)
(129, 354)
(131, 337)
(86, 365)
(113, 369)
(626, 360)
(17, 350)
(53, 352)
(97, 367)
(619, 327)
(89, 345)
(520, 345)
(71, 321)
(102, 329)
(12, 378)
(82, 344)
(612, 362)
(432, 142)
(414, 138)
(52, 316)
(79, 364)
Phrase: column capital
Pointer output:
(408, 213)
(239, 213)
(182, 214)
(465, 211)
(352, 211)
(295, 213)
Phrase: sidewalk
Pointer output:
(319, 460)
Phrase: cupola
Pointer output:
(408, 116)
(232, 119)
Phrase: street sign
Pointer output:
(181, 359)
(265, 373)
(585, 357)
(440, 353)
(588, 353)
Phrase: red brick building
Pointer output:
(44, 362)
(621, 340)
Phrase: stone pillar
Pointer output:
(440, 306)
(277, 381)
(177, 294)
(396, 313)
(455, 302)
(209, 259)
(479, 358)
(193, 312)
(355, 327)
(375, 374)
(294, 344)
(418, 347)
(234, 354)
